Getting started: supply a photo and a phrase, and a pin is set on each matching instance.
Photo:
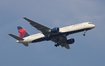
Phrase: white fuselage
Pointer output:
(64, 30)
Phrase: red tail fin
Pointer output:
(22, 32)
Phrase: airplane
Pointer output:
(57, 35)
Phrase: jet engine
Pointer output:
(70, 41)
(54, 30)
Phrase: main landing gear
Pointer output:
(56, 45)
(84, 32)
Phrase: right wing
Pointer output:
(39, 27)
(61, 40)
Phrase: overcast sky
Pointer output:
(86, 51)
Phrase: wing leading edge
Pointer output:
(39, 27)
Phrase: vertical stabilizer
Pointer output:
(22, 32)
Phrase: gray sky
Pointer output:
(86, 51)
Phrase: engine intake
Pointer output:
(54, 30)
(70, 41)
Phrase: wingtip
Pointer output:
(9, 34)
(24, 18)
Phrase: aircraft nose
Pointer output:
(93, 25)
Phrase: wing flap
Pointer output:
(66, 46)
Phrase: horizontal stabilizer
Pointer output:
(25, 44)
(16, 37)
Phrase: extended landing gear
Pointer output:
(56, 45)
(84, 32)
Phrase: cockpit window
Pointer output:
(89, 23)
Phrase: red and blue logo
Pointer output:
(22, 32)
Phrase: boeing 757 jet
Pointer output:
(57, 35)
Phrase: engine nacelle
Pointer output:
(70, 41)
(54, 30)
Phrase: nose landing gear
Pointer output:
(84, 32)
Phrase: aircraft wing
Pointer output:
(61, 40)
(38, 26)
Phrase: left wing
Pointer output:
(61, 40)
(39, 27)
